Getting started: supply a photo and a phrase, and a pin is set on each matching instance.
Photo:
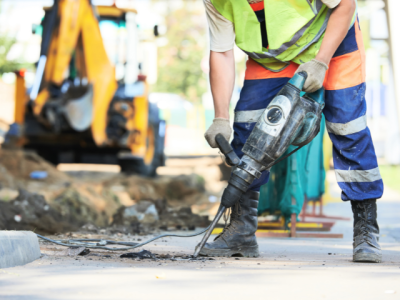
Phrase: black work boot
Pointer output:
(366, 232)
(238, 238)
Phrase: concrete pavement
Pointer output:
(287, 269)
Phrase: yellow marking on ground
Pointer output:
(219, 230)
(298, 225)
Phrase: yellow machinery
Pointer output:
(89, 99)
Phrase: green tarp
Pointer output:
(296, 177)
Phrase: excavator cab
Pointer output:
(89, 101)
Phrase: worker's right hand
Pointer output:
(221, 126)
(316, 71)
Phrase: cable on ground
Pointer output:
(101, 244)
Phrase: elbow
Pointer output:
(352, 6)
(227, 54)
(221, 52)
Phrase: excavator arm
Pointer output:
(76, 31)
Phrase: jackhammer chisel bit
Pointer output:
(231, 159)
(200, 246)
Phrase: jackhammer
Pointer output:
(290, 119)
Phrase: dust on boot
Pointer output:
(238, 238)
(366, 246)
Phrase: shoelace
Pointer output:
(235, 213)
(364, 222)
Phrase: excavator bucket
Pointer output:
(79, 111)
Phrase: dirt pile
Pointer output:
(146, 216)
(31, 212)
(19, 166)
(161, 203)
(75, 201)
(80, 205)
(178, 191)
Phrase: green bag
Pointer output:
(294, 178)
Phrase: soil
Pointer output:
(20, 164)
(31, 212)
(73, 200)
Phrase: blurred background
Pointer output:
(104, 104)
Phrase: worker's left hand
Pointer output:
(315, 75)
(331, 3)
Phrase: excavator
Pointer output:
(89, 100)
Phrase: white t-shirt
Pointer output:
(222, 32)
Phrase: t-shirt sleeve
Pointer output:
(222, 32)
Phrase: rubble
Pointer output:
(31, 212)
(178, 191)
(141, 255)
(79, 206)
(74, 251)
(145, 254)
(62, 201)
(146, 216)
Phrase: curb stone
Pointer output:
(18, 248)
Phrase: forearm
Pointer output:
(222, 80)
(336, 31)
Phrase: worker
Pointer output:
(282, 37)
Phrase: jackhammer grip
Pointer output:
(226, 149)
(304, 74)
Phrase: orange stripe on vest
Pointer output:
(256, 71)
(257, 6)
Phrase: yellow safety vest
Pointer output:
(295, 30)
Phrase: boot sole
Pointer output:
(361, 257)
(247, 251)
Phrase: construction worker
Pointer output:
(282, 37)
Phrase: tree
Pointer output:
(7, 66)
(6, 43)
(179, 61)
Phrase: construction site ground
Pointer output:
(286, 269)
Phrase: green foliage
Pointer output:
(6, 44)
(391, 176)
(5, 65)
(179, 61)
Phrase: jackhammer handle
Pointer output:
(208, 233)
(226, 149)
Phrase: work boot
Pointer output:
(238, 238)
(366, 232)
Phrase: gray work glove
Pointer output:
(315, 75)
(331, 3)
(219, 125)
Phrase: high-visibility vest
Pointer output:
(295, 29)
